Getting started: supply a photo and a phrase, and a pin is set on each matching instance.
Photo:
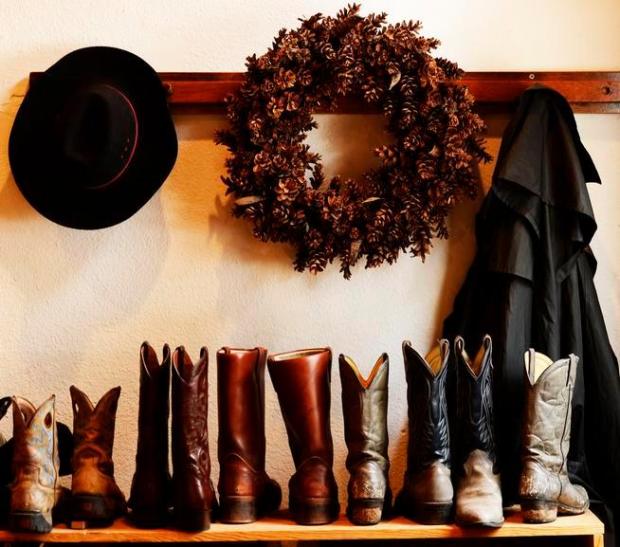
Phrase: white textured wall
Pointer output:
(75, 306)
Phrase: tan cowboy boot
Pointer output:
(35, 490)
(96, 498)
(545, 488)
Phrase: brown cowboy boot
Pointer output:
(427, 494)
(246, 492)
(35, 492)
(149, 500)
(193, 496)
(478, 494)
(302, 381)
(364, 409)
(96, 500)
(545, 488)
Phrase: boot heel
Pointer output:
(26, 521)
(538, 511)
(89, 511)
(193, 521)
(365, 512)
(432, 513)
(238, 509)
(314, 512)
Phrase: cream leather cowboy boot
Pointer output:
(35, 491)
(545, 488)
(96, 499)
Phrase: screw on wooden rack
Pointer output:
(532, 76)
(607, 90)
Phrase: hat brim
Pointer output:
(41, 179)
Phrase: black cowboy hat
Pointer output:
(94, 139)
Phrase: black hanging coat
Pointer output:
(531, 285)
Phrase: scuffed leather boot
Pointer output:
(427, 494)
(364, 409)
(545, 488)
(149, 500)
(478, 494)
(302, 381)
(96, 499)
(35, 492)
(246, 492)
(193, 497)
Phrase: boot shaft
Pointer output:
(154, 406)
(190, 437)
(302, 381)
(93, 429)
(549, 387)
(241, 404)
(364, 409)
(475, 399)
(428, 410)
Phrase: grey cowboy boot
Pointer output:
(545, 488)
(364, 409)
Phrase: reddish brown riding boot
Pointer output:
(302, 381)
(246, 492)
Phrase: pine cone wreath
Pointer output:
(277, 182)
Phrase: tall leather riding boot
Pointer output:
(545, 488)
(302, 381)
(478, 494)
(35, 492)
(96, 499)
(193, 496)
(246, 492)
(364, 409)
(149, 499)
(427, 494)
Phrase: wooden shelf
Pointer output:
(586, 91)
(280, 529)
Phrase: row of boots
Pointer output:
(440, 482)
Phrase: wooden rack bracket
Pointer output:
(586, 91)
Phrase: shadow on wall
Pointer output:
(53, 269)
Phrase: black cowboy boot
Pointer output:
(478, 494)
(427, 494)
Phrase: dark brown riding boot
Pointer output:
(302, 381)
(427, 494)
(545, 488)
(364, 409)
(246, 492)
(478, 494)
(193, 496)
(96, 499)
(149, 500)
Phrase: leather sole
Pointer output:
(30, 521)
(314, 511)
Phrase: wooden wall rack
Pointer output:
(597, 92)
(584, 529)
